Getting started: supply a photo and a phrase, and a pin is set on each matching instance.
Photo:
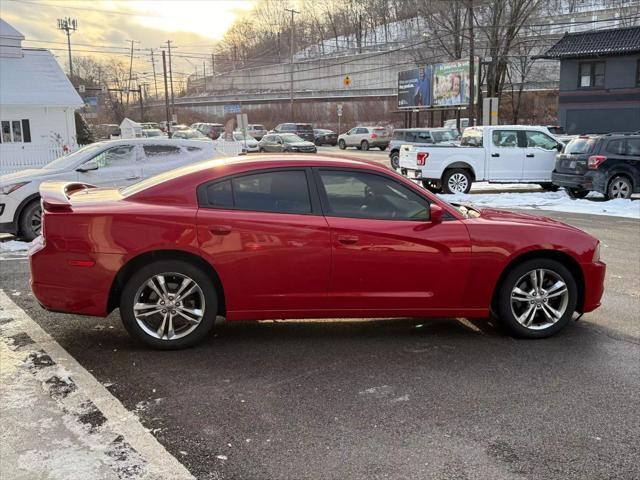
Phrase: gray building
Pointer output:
(599, 80)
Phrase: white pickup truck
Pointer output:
(496, 154)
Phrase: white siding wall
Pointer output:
(51, 129)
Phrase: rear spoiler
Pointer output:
(56, 195)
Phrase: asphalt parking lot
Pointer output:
(409, 398)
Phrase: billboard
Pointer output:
(90, 108)
(414, 88)
(451, 83)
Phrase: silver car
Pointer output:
(364, 137)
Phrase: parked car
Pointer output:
(211, 130)
(263, 238)
(364, 137)
(419, 136)
(149, 125)
(325, 137)
(107, 131)
(452, 124)
(109, 163)
(189, 134)
(152, 133)
(286, 142)
(496, 154)
(256, 130)
(303, 130)
(609, 164)
(163, 125)
(249, 143)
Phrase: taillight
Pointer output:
(421, 158)
(595, 161)
(373, 135)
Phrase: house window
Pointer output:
(591, 75)
(15, 131)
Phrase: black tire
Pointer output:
(619, 186)
(31, 220)
(455, 173)
(260, 150)
(576, 193)
(506, 312)
(318, 143)
(550, 187)
(382, 149)
(342, 145)
(364, 145)
(395, 160)
(139, 279)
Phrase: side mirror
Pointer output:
(559, 147)
(88, 166)
(436, 213)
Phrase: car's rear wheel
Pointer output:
(549, 187)
(619, 187)
(576, 193)
(342, 145)
(364, 145)
(31, 220)
(169, 304)
(457, 180)
(537, 298)
(382, 148)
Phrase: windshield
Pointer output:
(69, 161)
(152, 133)
(444, 136)
(240, 137)
(578, 146)
(258, 127)
(291, 138)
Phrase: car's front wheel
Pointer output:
(169, 304)
(395, 160)
(537, 298)
(31, 220)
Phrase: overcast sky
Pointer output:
(193, 26)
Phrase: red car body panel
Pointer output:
(274, 265)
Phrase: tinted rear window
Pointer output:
(304, 127)
(380, 131)
(579, 146)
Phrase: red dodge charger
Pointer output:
(268, 237)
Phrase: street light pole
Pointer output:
(291, 32)
(68, 25)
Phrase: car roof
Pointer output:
(156, 140)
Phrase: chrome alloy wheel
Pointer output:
(36, 221)
(620, 189)
(169, 306)
(539, 299)
(458, 183)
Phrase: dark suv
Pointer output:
(303, 130)
(609, 164)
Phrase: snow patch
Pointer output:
(554, 201)
(14, 246)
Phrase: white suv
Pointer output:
(364, 137)
(109, 163)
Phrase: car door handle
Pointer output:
(220, 229)
(495, 154)
(347, 239)
(133, 178)
(530, 155)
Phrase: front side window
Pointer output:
(370, 196)
(540, 140)
(505, 138)
(116, 157)
(591, 75)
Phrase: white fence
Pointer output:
(14, 158)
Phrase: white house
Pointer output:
(37, 105)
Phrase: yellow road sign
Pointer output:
(347, 81)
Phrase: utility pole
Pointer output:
(166, 93)
(204, 77)
(68, 25)
(213, 64)
(291, 33)
(153, 64)
(141, 102)
(471, 64)
(130, 71)
(173, 105)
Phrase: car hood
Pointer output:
(504, 216)
(27, 175)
